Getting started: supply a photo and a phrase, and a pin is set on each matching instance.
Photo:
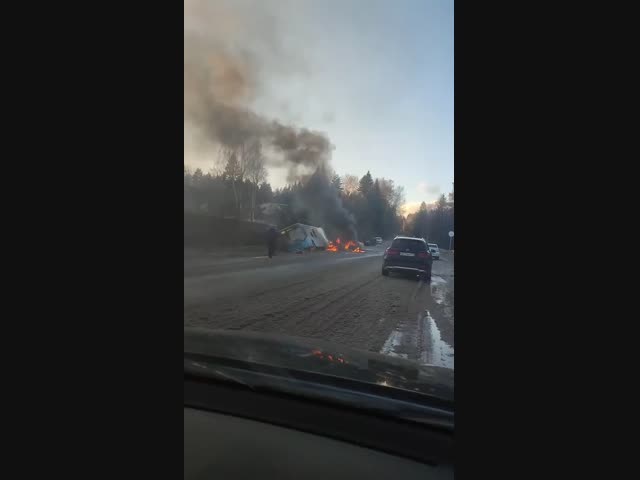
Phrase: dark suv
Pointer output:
(409, 255)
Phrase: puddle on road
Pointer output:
(435, 350)
(442, 294)
(420, 339)
(425, 345)
(437, 290)
(437, 294)
(394, 344)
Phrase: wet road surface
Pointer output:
(339, 297)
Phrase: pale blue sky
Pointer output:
(377, 76)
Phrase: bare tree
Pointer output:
(255, 170)
(350, 184)
(393, 195)
(397, 198)
(232, 171)
(386, 189)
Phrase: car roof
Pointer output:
(432, 244)
(409, 238)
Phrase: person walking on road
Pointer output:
(272, 237)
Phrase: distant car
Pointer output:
(435, 251)
(408, 255)
(378, 240)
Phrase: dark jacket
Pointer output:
(272, 235)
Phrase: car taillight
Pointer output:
(393, 251)
(423, 254)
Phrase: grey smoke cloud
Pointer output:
(230, 49)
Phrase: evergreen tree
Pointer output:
(366, 184)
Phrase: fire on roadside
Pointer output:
(352, 246)
(348, 246)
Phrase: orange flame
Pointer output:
(353, 247)
(349, 246)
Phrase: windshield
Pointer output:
(318, 137)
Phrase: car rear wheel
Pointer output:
(426, 276)
(385, 272)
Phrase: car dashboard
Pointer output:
(224, 446)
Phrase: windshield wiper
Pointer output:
(319, 387)
(192, 367)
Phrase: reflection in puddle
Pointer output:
(442, 294)
(435, 350)
(423, 344)
(437, 294)
(437, 289)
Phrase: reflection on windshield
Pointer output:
(211, 351)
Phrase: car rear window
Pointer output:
(433, 245)
(412, 245)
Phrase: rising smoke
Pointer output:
(325, 207)
(230, 49)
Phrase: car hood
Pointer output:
(320, 357)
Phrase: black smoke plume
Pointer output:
(229, 49)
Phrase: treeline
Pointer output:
(433, 222)
(365, 206)
(344, 205)
(225, 195)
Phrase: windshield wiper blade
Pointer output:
(198, 369)
(355, 396)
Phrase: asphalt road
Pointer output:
(339, 297)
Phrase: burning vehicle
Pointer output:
(345, 246)
(300, 237)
